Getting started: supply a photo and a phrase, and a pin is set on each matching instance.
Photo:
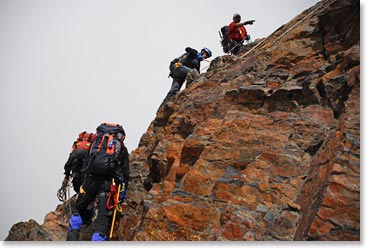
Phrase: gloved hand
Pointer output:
(249, 22)
(122, 195)
(81, 190)
(200, 57)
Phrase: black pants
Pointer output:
(175, 87)
(77, 182)
(179, 75)
(95, 187)
(235, 46)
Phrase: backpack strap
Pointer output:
(110, 149)
(111, 124)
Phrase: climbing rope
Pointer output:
(63, 194)
(238, 44)
(292, 27)
(205, 66)
(320, 8)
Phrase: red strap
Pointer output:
(113, 194)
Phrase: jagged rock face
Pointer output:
(264, 146)
(54, 227)
(28, 231)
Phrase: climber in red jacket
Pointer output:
(237, 33)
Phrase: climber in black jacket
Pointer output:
(181, 66)
(108, 166)
(77, 159)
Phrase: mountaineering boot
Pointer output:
(73, 235)
(75, 224)
(98, 237)
(169, 96)
(191, 77)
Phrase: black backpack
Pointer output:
(223, 33)
(106, 150)
(172, 66)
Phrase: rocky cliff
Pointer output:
(263, 146)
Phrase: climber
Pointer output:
(183, 66)
(237, 33)
(107, 165)
(77, 158)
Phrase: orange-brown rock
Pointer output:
(267, 143)
(263, 146)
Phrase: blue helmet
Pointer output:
(207, 51)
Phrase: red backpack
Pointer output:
(84, 141)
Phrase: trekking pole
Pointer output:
(220, 35)
(117, 208)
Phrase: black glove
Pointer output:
(123, 194)
(249, 22)
(119, 179)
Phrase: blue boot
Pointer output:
(97, 237)
(75, 223)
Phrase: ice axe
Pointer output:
(117, 207)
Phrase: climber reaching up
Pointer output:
(181, 67)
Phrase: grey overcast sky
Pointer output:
(68, 65)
